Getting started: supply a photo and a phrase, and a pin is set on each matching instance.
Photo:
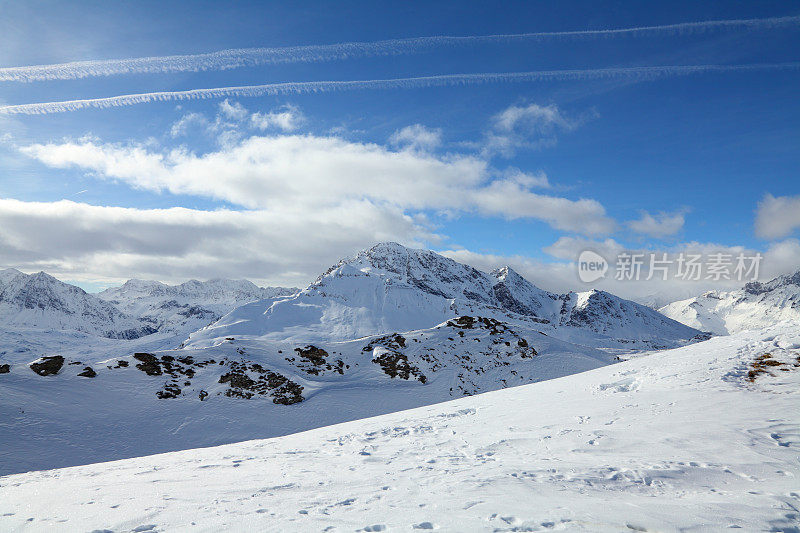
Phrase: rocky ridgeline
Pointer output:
(461, 345)
(467, 346)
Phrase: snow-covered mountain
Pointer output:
(755, 306)
(682, 440)
(390, 328)
(40, 301)
(393, 288)
(189, 306)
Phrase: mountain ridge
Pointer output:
(753, 306)
(389, 288)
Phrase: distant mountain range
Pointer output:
(188, 306)
(754, 306)
(41, 301)
(136, 309)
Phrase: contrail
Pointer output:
(230, 59)
(271, 89)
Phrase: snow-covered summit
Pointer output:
(754, 306)
(41, 301)
(390, 288)
(422, 269)
(515, 293)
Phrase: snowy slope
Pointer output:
(241, 389)
(393, 288)
(755, 306)
(41, 302)
(189, 306)
(678, 441)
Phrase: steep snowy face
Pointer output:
(515, 293)
(41, 301)
(610, 315)
(188, 306)
(755, 306)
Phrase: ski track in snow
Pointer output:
(678, 440)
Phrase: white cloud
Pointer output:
(777, 216)
(313, 171)
(288, 246)
(417, 137)
(232, 110)
(233, 121)
(569, 248)
(182, 125)
(511, 198)
(531, 126)
(659, 226)
(288, 118)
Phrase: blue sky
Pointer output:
(523, 172)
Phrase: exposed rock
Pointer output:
(149, 364)
(314, 360)
(395, 341)
(88, 372)
(5, 369)
(48, 366)
(170, 390)
(243, 385)
(395, 364)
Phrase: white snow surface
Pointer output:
(65, 419)
(755, 306)
(676, 441)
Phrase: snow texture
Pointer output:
(682, 440)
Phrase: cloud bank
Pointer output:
(287, 246)
(316, 172)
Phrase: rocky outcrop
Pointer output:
(48, 366)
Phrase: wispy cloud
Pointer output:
(529, 126)
(236, 58)
(417, 137)
(660, 225)
(272, 89)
